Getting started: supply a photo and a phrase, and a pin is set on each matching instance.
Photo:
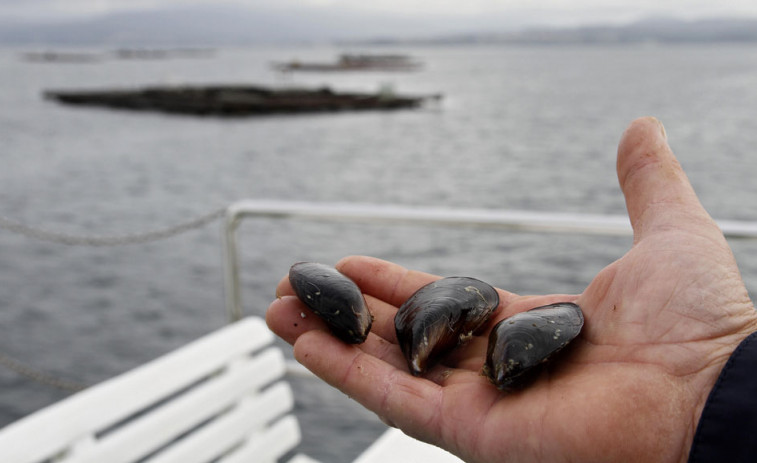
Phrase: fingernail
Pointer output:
(662, 128)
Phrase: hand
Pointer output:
(660, 324)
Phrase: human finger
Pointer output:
(289, 318)
(383, 318)
(658, 193)
(393, 394)
(390, 282)
(384, 280)
(284, 288)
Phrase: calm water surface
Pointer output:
(532, 128)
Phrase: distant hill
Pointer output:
(650, 30)
(661, 30)
(230, 25)
(225, 24)
(179, 26)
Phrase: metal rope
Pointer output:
(115, 240)
(39, 376)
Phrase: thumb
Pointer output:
(658, 194)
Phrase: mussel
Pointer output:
(441, 315)
(333, 297)
(520, 344)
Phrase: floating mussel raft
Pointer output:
(236, 100)
(333, 297)
(520, 344)
(441, 315)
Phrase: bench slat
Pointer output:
(270, 445)
(170, 420)
(231, 430)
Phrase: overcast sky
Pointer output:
(560, 12)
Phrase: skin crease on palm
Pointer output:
(661, 322)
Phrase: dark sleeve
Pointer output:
(728, 426)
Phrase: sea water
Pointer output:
(519, 127)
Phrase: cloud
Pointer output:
(66, 9)
(557, 12)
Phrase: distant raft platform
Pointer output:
(355, 63)
(237, 100)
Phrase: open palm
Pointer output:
(660, 323)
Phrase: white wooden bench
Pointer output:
(214, 398)
(220, 398)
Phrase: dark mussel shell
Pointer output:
(521, 343)
(333, 297)
(441, 315)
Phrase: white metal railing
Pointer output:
(554, 222)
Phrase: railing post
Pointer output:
(231, 264)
